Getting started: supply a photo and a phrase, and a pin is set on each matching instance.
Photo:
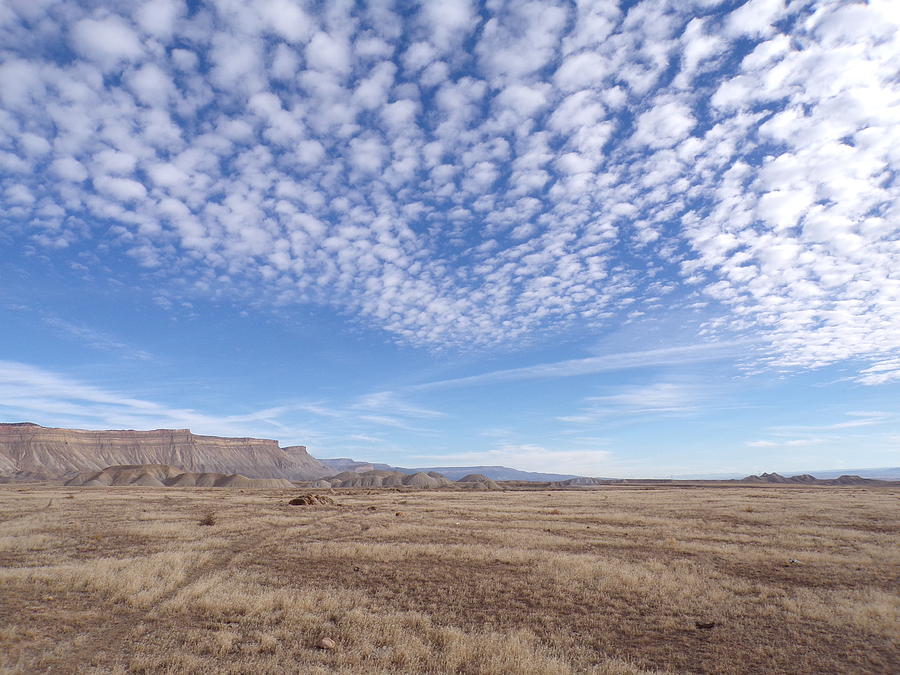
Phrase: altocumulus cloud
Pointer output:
(467, 174)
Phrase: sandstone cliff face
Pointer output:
(29, 449)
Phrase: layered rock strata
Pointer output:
(35, 451)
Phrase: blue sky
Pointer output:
(618, 239)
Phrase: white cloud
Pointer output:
(123, 189)
(159, 17)
(287, 19)
(598, 364)
(237, 64)
(754, 18)
(524, 100)
(367, 154)
(373, 91)
(19, 82)
(576, 112)
(787, 443)
(522, 40)
(19, 194)
(548, 174)
(664, 125)
(151, 85)
(167, 175)
(114, 162)
(328, 53)
(69, 168)
(657, 397)
(858, 420)
(581, 71)
(34, 144)
(699, 45)
(108, 41)
(95, 338)
(390, 402)
(449, 21)
(573, 162)
(880, 372)
(184, 59)
(400, 114)
(29, 393)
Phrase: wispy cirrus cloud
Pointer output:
(667, 356)
(83, 333)
(786, 436)
(29, 393)
(95, 338)
(857, 419)
(785, 443)
(388, 401)
(880, 372)
(658, 398)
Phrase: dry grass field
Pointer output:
(699, 580)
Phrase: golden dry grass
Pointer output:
(613, 580)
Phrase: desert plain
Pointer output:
(653, 579)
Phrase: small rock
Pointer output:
(327, 643)
(399, 514)
(373, 508)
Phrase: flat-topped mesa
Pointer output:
(30, 449)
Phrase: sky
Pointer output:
(602, 238)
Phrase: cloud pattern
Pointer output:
(462, 174)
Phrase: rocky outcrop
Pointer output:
(312, 500)
(29, 449)
(854, 480)
(160, 475)
(477, 481)
(586, 482)
(387, 479)
(806, 479)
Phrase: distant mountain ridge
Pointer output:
(878, 473)
(342, 464)
(29, 450)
